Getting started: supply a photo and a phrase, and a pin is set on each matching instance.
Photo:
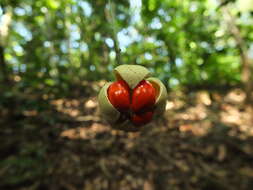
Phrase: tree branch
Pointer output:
(114, 32)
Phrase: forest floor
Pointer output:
(204, 141)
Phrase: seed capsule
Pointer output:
(133, 100)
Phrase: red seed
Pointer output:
(119, 95)
(142, 118)
(143, 97)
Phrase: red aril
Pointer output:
(140, 102)
(119, 95)
(143, 97)
(142, 118)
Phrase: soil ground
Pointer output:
(204, 141)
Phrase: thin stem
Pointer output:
(114, 30)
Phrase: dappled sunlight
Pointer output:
(198, 134)
(76, 108)
(90, 104)
(236, 96)
(231, 115)
(90, 132)
(68, 107)
(169, 105)
(174, 104)
(189, 114)
(234, 112)
(199, 129)
(203, 97)
(194, 114)
(30, 113)
(198, 117)
(85, 132)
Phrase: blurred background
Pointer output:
(56, 55)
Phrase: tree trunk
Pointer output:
(4, 31)
(247, 78)
(247, 63)
(3, 67)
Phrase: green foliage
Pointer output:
(56, 45)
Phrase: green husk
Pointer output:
(110, 113)
(161, 97)
(132, 74)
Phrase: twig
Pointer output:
(114, 34)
